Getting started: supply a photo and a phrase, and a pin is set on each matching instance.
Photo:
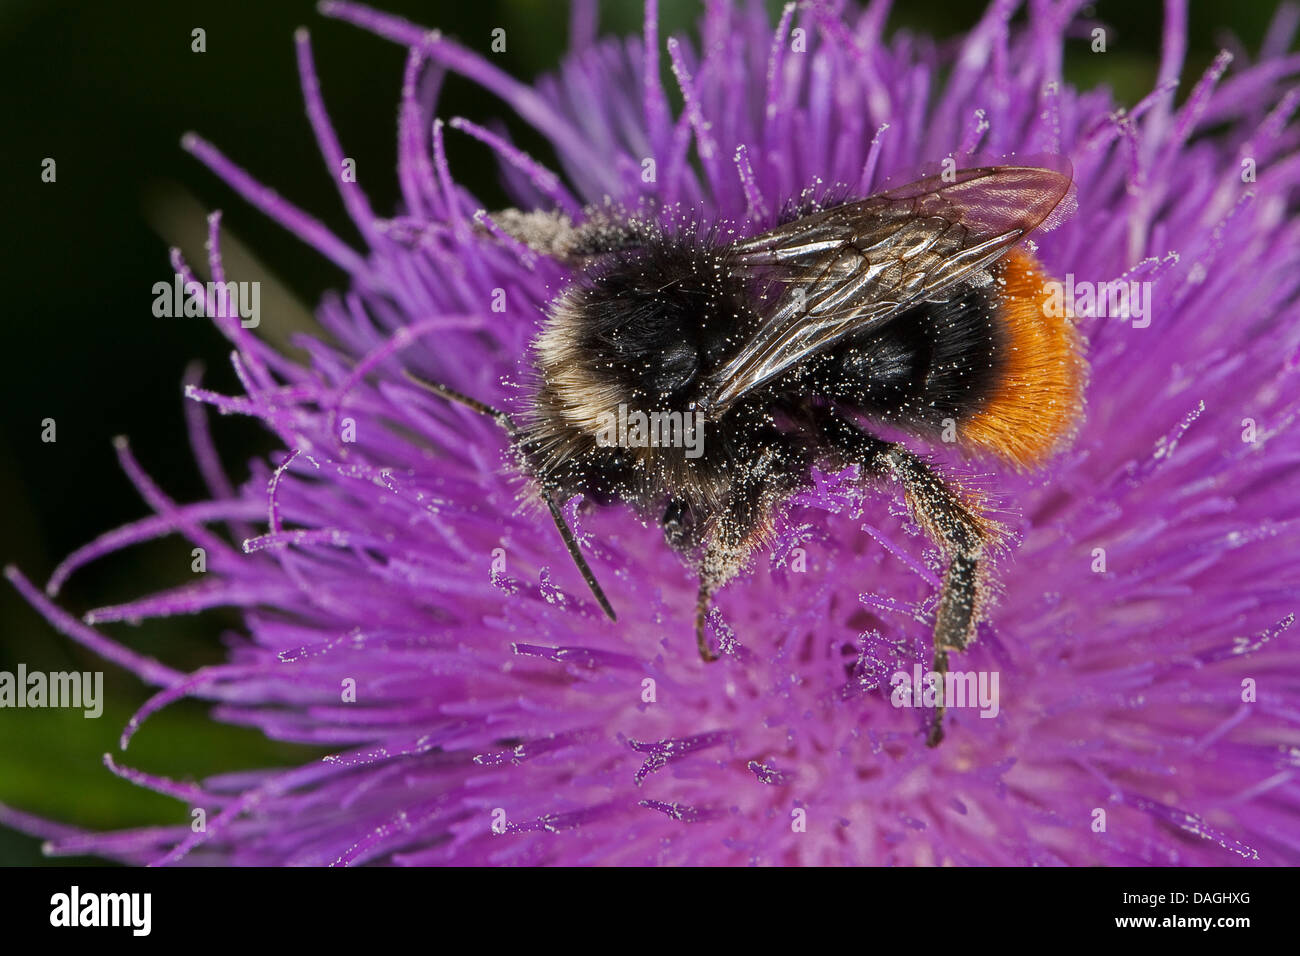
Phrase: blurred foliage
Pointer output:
(107, 90)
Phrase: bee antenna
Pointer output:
(571, 543)
(460, 398)
(506, 422)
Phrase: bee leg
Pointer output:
(555, 235)
(940, 668)
(682, 532)
(746, 522)
(701, 614)
(963, 536)
(680, 529)
(951, 522)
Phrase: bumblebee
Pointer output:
(918, 308)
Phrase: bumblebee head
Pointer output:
(643, 329)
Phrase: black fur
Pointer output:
(938, 361)
(658, 319)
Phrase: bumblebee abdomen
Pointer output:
(927, 370)
(1035, 403)
(987, 368)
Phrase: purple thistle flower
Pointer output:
(1144, 634)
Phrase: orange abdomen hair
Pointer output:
(1036, 403)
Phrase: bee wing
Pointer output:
(857, 266)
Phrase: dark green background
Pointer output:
(107, 89)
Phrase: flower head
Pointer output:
(399, 607)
